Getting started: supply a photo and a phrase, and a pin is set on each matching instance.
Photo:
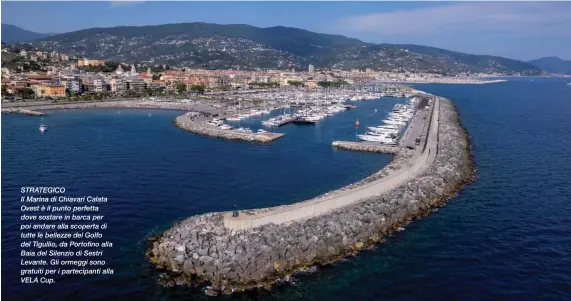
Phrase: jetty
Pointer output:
(189, 122)
(366, 147)
(22, 111)
(244, 249)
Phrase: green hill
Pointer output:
(205, 45)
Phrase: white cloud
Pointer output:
(513, 19)
(123, 3)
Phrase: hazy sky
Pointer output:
(521, 30)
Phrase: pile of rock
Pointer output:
(366, 147)
(22, 111)
(201, 249)
(128, 104)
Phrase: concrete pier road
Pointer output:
(414, 128)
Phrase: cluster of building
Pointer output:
(67, 82)
(66, 76)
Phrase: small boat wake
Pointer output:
(43, 127)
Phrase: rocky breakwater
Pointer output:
(22, 111)
(366, 147)
(200, 249)
(189, 123)
(121, 104)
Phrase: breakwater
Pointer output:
(201, 249)
(187, 123)
(22, 111)
(126, 104)
(366, 147)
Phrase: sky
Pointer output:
(519, 30)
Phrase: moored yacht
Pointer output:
(377, 138)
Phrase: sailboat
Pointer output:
(236, 117)
(43, 127)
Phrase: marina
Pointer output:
(345, 211)
(191, 168)
(225, 115)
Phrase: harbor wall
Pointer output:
(201, 250)
(186, 123)
(123, 104)
(366, 147)
(22, 111)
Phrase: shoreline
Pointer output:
(182, 121)
(22, 112)
(448, 82)
(201, 250)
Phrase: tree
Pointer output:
(156, 76)
(295, 83)
(26, 93)
(67, 92)
(180, 87)
(336, 84)
(197, 88)
(4, 90)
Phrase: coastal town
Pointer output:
(42, 75)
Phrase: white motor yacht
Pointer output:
(374, 138)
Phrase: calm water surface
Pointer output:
(507, 236)
(154, 173)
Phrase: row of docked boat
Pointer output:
(388, 132)
(251, 113)
(249, 131)
(308, 115)
(219, 123)
(278, 120)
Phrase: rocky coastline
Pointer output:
(22, 111)
(125, 104)
(201, 251)
(366, 147)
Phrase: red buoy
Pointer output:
(357, 124)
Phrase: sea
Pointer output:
(506, 236)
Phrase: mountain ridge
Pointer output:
(207, 45)
(15, 34)
(553, 64)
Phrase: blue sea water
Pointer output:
(506, 236)
(154, 173)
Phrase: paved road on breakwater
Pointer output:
(419, 163)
